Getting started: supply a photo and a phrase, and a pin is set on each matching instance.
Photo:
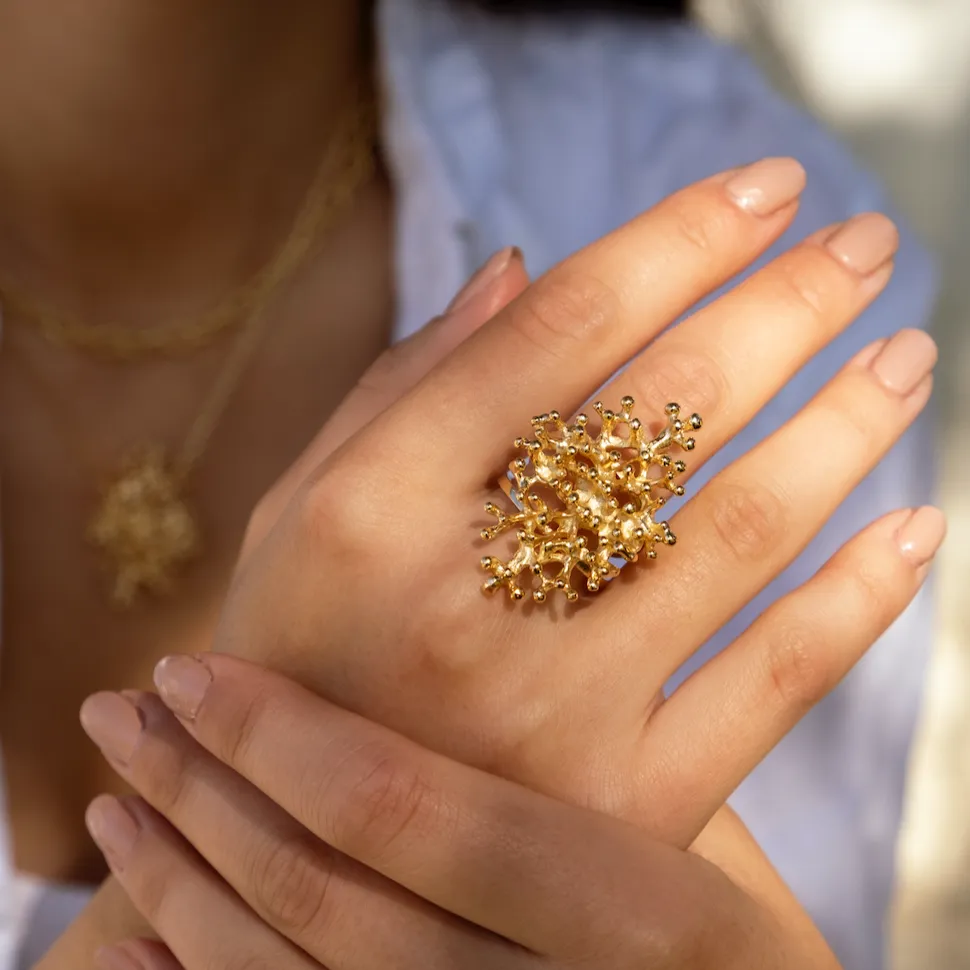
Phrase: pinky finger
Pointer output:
(754, 692)
(136, 955)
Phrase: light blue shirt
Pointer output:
(550, 131)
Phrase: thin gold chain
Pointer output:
(349, 154)
(349, 164)
(142, 525)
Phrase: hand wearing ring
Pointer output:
(569, 701)
(348, 846)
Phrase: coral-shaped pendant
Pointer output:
(143, 527)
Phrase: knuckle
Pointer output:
(811, 284)
(870, 589)
(150, 879)
(851, 420)
(241, 729)
(161, 769)
(795, 674)
(703, 223)
(806, 655)
(149, 888)
(292, 882)
(341, 520)
(320, 507)
(565, 307)
(166, 785)
(694, 379)
(386, 801)
(333, 519)
(804, 285)
(750, 519)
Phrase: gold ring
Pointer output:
(586, 502)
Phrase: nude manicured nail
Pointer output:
(921, 535)
(116, 958)
(113, 723)
(182, 682)
(864, 243)
(113, 828)
(484, 277)
(767, 186)
(905, 361)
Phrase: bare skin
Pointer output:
(151, 157)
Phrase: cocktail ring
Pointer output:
(586, 502)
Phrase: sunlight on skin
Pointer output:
(902, 65)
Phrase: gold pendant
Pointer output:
(143, 527)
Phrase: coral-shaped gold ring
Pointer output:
(586, 502)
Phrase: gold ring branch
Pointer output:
(586, 502)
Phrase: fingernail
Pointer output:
(182, 682)
(113, 828)
(115, 958)
(113, 723)
(905, 361)
(921, 535)
(864, 243)
(485, 277)
(767, 186)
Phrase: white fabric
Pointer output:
(548, 132)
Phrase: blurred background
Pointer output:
(893, 77)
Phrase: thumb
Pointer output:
(726, 843)
(499, 281)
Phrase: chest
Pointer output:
(62, 636)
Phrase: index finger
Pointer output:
(391, 376)
(582, 321)
(485, 849)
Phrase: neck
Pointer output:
(148, 139)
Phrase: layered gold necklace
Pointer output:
(143, 525)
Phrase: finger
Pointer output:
(726, 843)
(335, 909)
(201, 920)
(136, 955)
(498, 855)
(758, 514)
(397, 370)
(731, 357)
(588, 316)
(753, 693)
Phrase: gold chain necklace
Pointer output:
(349, 152)
(143, 525)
